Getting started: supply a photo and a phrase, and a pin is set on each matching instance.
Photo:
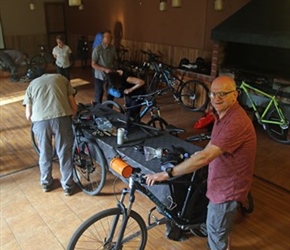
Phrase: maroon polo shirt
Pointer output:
(230, 174)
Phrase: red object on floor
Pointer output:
(204, 121)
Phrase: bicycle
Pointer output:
(89, 162)
(33, 67)
(191, 94)
(89, 169)
(149, 103)
(43, 58)
(272, 118)
(123, 228)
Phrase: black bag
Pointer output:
(183, 61)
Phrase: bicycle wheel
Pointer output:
(89, 168)
(38, 61)
(193, 95)
(101, 231)
(249, 207)
(35, 143)
(114, 105)
(277, 132)
(158, 122)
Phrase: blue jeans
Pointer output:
(219, 224)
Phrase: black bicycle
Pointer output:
(191, 94)
(123, 228)
(149, 104)
(90, 167)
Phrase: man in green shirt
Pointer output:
(50, 105)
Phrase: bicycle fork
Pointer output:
(155, 112)
(126, 215)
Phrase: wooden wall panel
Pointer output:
(26, 43)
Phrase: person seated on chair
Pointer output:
(11, 59)
(125, 83)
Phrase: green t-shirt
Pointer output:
(48, 96)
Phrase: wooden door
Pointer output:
(55, 22)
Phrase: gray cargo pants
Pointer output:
(61, 130)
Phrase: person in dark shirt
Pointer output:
(125, 83)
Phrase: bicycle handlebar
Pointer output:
(126, 170)
(150, 54)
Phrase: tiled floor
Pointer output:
(33, 220)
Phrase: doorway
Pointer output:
(55, 22)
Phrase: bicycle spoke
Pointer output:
(193, 95)
(102, 231)
(89, 172)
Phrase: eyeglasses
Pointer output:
(221, 94)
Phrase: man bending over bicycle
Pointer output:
(10, 60)
(125, 83)
(230, 156)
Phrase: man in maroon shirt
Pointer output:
(230, 155)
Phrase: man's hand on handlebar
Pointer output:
(152, 178)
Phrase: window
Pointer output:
(1, 37)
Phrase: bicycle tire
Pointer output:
(89, 169)
(274, 131)
(250, 205)
(35, 144)
(158, 122)
(114, 105)
(193, 95)
(95, 232)
(38, 61)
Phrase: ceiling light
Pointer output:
(162, 5)
(218, 5)
(74, 2)
(32, 6)
(176, 3)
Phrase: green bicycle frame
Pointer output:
(244, 86)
